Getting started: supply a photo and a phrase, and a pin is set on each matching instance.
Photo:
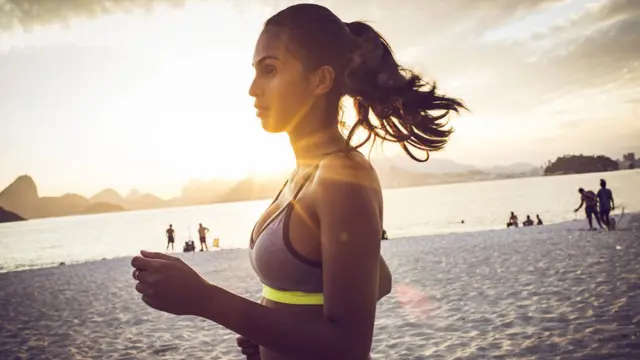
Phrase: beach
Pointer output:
(554, 291)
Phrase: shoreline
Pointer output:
(576, 225)
(505, 177)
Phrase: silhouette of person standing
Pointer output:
(170, 237)
(589, 200)
(606, 203)
(202, 233)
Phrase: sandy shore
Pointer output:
(545, 292)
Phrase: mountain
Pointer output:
(251, 189)
(515, 168)
(204, 192)
(8, 216)
(145, 201)
(133, 194)
(433, 166)
(67, 204)
(21, 196)
(109, 196)
(102, 207)
(446, 166)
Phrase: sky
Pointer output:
(129, 94)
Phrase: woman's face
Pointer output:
(282, 91)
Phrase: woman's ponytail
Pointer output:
(401, 100)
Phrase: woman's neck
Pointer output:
(310, 147)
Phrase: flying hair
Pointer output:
(409, 110)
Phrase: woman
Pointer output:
(316, 249)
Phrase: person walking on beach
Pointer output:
(316, 248)
(589, 200)
(539, 220)
(202, 234)
(170, 237)
(606, 203)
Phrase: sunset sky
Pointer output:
(96, 95)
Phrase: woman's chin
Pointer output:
(266, 124)
(270, 126)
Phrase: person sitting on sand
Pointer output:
(189, 246)
(539, 220)
(513, 220)
(316, 248)
(606, 203)
(528, 221)
(170, 237)
(589, 200)
(202, 234)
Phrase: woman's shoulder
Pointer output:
(347, 169)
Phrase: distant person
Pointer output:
(384, 235)
(589, 199)
(513, 220)
(539, 220)
(606, 203)
(170, 237)
(202, 233)
(528, 221)
(189, 246)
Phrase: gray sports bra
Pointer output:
(274, 259)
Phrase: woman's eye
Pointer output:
(269, 70)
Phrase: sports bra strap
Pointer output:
(305, 181)
(315, 169)
(280, 192)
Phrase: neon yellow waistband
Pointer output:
(292, 297)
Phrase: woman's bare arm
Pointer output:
(384, 279)
(350, 235)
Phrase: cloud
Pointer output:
(27, 14)
(602, 50)
(582, 63)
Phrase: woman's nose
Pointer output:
(254, 88)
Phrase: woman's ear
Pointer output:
(324, 79)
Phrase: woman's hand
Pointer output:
(168, 284)
(248, 348)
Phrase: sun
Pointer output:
(186, 101)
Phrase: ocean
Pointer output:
(412, 211)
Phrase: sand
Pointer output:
(544, 292)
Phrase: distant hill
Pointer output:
(580, 164)
(205, 192)
(8, 216)
(145, 201)
(433, 166)
(133, 194)
(516, 168)
(446, 166)
(102, 207)
(67, 204)
(21, 196)
(108, 196)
